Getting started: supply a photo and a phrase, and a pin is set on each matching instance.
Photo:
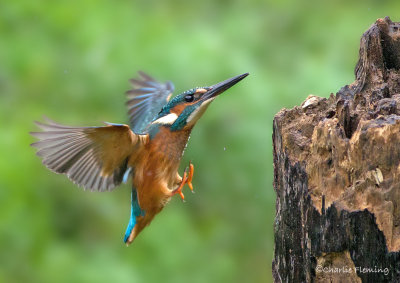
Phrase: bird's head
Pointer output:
(184, 110)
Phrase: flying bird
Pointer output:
(148, 151)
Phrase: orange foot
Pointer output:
(186, 179)
(190, 176)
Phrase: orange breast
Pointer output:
(156, 166)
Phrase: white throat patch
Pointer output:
(196, 114)
(167, 119)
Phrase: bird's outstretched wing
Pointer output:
(95, 158)
(145, 100)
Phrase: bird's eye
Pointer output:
(189, 98)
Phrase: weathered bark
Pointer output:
(337, 174)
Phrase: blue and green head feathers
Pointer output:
(185, 109)
(176, 114)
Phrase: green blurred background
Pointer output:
(71, 61)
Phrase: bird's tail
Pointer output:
(136, 215)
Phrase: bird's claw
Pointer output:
(180, 187)
(186, 179)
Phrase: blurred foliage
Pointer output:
(70, 61)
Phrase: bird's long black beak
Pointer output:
(222, 86)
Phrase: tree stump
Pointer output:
(337, 174)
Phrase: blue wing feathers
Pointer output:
(126, 175)
(145, 100)
(134, 92)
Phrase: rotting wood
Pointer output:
(337, 174)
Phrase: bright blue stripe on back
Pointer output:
(135, 212)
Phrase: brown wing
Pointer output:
(95, 158)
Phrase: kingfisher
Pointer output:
(148, 150)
